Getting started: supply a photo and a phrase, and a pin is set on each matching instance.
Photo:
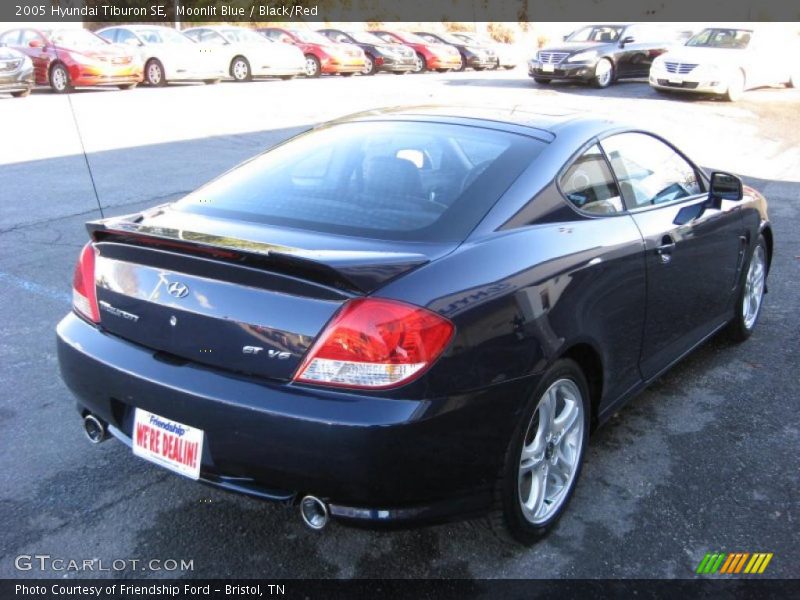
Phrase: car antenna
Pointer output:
(85, 156)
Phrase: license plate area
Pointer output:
(167, 443)
(548, 68)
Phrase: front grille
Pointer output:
(689, 85)
(11, 65)
(679, 68)
(552, 58)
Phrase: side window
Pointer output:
(111, 35)
(649, 171)
(589, 185)
(127, 37)
(211, 37)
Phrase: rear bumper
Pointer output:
(373, 459)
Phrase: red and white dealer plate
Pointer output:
(173, 445)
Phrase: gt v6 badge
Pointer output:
(280, 355)
(117, 312)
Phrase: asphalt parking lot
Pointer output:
(705, 460)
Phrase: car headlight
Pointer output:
(583, 56)
(708, 70)
(658, 63)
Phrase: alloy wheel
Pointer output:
(154, 74)
(59, 79)
(603, 72)
(551, 451)
(240, 70)
(311, 67)
(754, 287)
(368, 66)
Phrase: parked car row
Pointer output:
(724, 60)
(126, 55)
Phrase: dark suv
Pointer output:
(602, 54)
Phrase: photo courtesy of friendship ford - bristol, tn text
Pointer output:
(465, 297)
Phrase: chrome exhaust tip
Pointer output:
(95, 429)
(314, 512)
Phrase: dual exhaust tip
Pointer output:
(313, 511)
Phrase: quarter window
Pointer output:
(589, 185)
(649, 171)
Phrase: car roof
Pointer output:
(541, 122)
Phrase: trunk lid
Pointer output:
(240, 298)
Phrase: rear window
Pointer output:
(385, 180)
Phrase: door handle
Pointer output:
(664, 251)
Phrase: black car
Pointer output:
(473, 55)
(411, 315)
(602, 54)
(16, 73)
(392, 58)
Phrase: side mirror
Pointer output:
(35, 43)
(565, 37)
(628, 39)
(132, 42)
(725, 186)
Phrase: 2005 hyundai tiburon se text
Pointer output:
(411, 315)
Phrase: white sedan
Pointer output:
(728, 60)
(168, 55)
(249, 54)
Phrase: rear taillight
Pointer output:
(374, 343)
(84, 296)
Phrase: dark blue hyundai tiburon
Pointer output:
(410, 315)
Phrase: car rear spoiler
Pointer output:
(353, 271)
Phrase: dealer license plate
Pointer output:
(548, 68)
(173, 445)
(675, 80)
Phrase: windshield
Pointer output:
(236, 34)
(75, 38)
(365, 37)
(450, 39)
(162, 35)
(386, 180)
(596, 33)
(722, 38)
(311, 37)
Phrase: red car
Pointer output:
(430, 56)
(322, 55)
(67, 58)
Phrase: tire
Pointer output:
(463, 65)
(369, 65)
(240, 69)
(542, 80)
(59, 79)
(422, 64)
(313, 68)
(515, 517)
(21, 93)
(127, 86)
(603, 74)
(154, 73)
(735, 86)
(794, 80)
(480, 68)
(211, 81)
(509, 67)
(751, 296)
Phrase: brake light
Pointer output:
(375, 343)
(84, 295)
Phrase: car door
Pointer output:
(693, 248)
(637, 50)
